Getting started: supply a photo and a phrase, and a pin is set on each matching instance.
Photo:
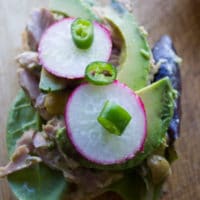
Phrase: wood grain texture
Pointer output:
(178, 18)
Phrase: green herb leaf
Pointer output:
(22, 116)
(37, 183)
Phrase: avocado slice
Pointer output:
(135, 59)
(50, 83)
(73, 8)
(158, 100)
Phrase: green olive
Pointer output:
(55, 102)
(159, 167)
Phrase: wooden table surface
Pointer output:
(178, 18)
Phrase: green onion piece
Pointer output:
(82, 32)
(100, 73)
(114, 118)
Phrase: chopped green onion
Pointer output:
(114, 118)
(82, 32)
(100, 73)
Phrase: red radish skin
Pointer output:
(103, 38)
(145, 134)
(81, 150)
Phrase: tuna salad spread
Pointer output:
(98, 111)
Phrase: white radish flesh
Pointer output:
(89, 138)
(60, 56)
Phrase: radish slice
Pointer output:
(89, 138)
(60, 56)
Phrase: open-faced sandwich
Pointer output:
(98, 112)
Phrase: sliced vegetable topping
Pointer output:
(82, 32)
(100, 73)
(87, 135)
(134, 65)
(114, 118)
(60, 56)
(50, 83)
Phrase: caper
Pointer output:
(159, 167)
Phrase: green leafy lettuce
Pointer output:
(37, 182)
(22, 116)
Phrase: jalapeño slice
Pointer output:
(100, 73)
